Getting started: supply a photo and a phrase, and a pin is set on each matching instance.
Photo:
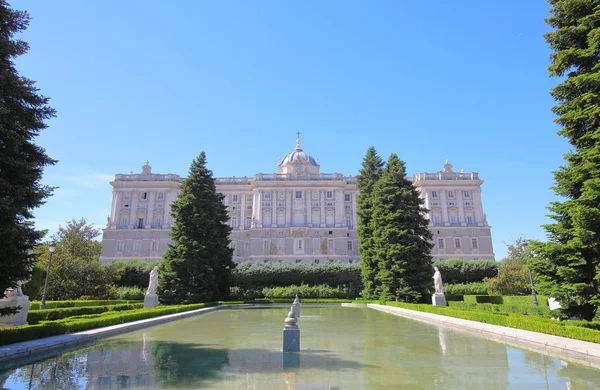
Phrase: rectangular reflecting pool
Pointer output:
(341, 348)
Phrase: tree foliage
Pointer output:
(197, 266)
(23, 112)
(365, 181)
(568, 265)
(74, 269)
(466, 271)
(513, 274)
(401, 237)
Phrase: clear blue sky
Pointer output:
(135, 80)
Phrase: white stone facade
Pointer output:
(295, 215)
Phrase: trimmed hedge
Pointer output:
(528, 310)
(35, 305)
(131, 293)
(466, 271)
(477, 288)
(132, 273)
(517, 321)
(250, 275)
(85, 322)
(35, 316)
(306, 291)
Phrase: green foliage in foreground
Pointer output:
(131, 293)
(306, 291)
(35, 316)
(85, 322)
(517, 321)
(132, 273)
(59, 304)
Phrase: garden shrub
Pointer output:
(132, 273)
(250, 275)
(529, 310)
(35, 305)
(306, 291)
(476, 288)
(85, 322)
(466, 271)
(35, 316)
(131, 293)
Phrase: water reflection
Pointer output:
(345, 348)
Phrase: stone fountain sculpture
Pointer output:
(151, 299)
(15, 298)
(291, 332)
(438, 298)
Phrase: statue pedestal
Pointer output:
(438, 300)
(291, 339)
(150, 301)
(15, 319)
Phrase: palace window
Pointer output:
(451, 194)
(440, 243)
(434, 194)
(347, 197)
(470, 219)
(267, 245)
(298, 261)
(144, 195)
(154, 245)
(330, 244)
(120, 246)
(299, 244)
(267, 195)
(329, 194)
(234, 222)
(298, 194)
(160, 195)
(348, 222)
(234, 198)
(317, 261)
(137, 246)
(348, 207)
(466, 194)
(140, 224)
(127, 196)
(350, 246)
(248, 222)
(157, 222)
(124, 222)
(457, 243)
(247, 246)
(474, 243)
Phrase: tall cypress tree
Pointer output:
(197, 266)
(401, 237)
(568, 265)
(366, 179)
(23, 112)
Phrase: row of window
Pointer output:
(299, 244)
(144, 195)
(141, 223)
(137, 246)
(437, 219)
(450, 194)
(328, 194)
(441, 243)
(234, 222)
(315, 261)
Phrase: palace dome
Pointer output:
(298, 155)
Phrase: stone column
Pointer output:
(242, 224)
(254, 208)
(288, 208)
(113, 211)
(444, 207)
(150, 211)
(260, 208)
(478, 207)
(309, 208)
(339, 207)
(323, 224)
(354, 213)
(461, 207)
(134, 205)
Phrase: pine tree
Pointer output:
(568, 265)
(197, 266)
(366, 179)
(22, 114)
(401, 237)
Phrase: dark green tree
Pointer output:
(568, 265)
(23, 112)
(365, 181)
(401, 237)
(197, 266)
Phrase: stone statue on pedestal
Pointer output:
(151, 299)
(438, 298)
(15, 298)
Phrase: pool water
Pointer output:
(341, 348)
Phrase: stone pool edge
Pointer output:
(29, 348)
(578, 351)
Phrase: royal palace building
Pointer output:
(295, 215)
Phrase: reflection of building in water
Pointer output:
(121, 365)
